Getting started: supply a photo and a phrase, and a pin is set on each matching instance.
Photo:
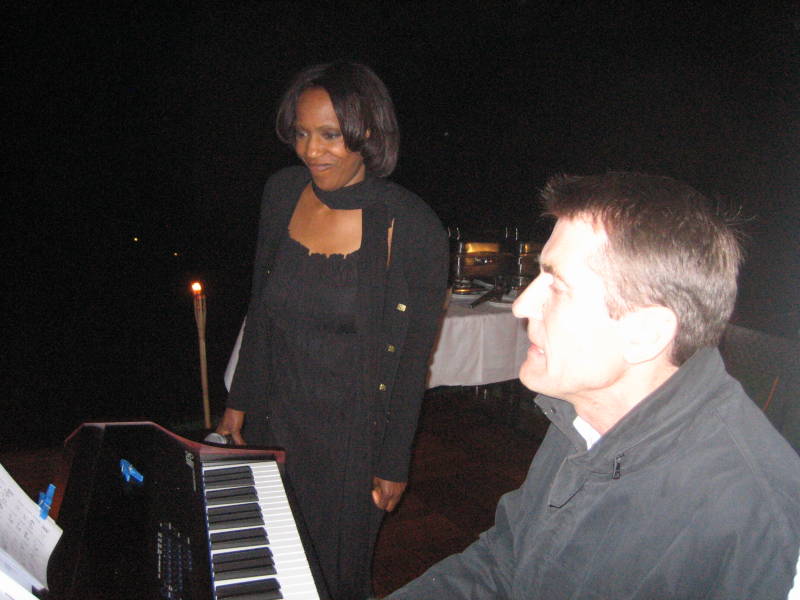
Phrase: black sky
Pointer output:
(155, 120)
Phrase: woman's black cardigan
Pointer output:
(399, 313)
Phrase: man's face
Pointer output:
(575, 348)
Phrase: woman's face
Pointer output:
(320, 145)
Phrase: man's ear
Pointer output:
(648, 332)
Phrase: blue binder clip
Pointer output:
(129, 471)
(46, 501)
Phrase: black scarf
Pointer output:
(351, 197)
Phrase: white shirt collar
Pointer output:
(586, 431)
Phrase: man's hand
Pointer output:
(231, 424)
(386, 494)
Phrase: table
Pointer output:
(478, 346)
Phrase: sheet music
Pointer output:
(24, 536)
(11, 590)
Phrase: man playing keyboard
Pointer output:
(658, 477)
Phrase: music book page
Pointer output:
(26, 540)
(11, 590)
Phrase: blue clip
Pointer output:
(45, 501)
(129, 471)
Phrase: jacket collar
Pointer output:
(653, 426)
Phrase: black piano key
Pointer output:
(245, 520)
(226, 496)
(228, 557)
(235, 509)
(253, 536)
(229, 477)
(226, 483)
(267, 589)
(227, 471)
(238, 515)
(244, 563)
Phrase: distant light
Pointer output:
(136, 238)
(176, 254)
(446, 133)
(197, 288)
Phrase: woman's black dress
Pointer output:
(314, 366)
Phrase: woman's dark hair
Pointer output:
(363, 107)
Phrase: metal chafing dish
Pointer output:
(484, 261)
(527, 264)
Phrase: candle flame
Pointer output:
(197, 287)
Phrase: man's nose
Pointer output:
(529, 303)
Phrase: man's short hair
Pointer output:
(666, 247)
(362, 104)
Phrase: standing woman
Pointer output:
(348, 287)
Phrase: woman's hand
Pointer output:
(231, 424)
(386, 494)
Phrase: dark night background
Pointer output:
(150, 120)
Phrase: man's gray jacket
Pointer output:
(693, 494)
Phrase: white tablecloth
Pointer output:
(478, 345)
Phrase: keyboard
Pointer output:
(256, 551)
(147, 514)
